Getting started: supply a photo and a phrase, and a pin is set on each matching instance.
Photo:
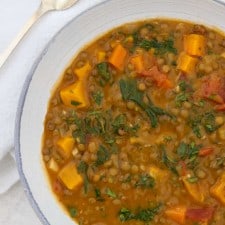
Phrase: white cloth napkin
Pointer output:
(13, 74)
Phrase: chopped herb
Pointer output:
(168, 138)
(145, 215)
(180, 98)
(196, 130)
(145, 181)
(148, 214)
(98, 195)
(160, 47)
(192, 180)
(94, 123)
(98, 96)
(101, 123)
(169, 163)
(185, 152)
(82, 169)
(111, 193)
(220, 162)
(193, 150)
(126, 214)
(103, 155)
(189, 153)
(130, 92)
(182, 150)
(183, 86)
(201, 103)
(79, 133)
(209, 52)
(149, 26)
(132, 129)
(136, 39)
(103, 72)
(136, 35)
(184, 95)
(195, 123)
(205, 121)
(127, 179)
(209, 122)
(72, 211)
(119, 122)
(75, 103)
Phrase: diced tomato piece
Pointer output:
(220, 107)
(205, 151)
(184, 170)
(158, 77)
(182, 76)
(200, 215)
(211, 85)
(213, 88)
(57, 187)
(145, 73)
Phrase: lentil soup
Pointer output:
(135, 131)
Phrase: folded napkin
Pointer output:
(13, 75)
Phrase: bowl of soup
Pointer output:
(122, 119)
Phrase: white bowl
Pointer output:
(57, 56)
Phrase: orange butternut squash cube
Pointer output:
(177, 214)
(157, 173)
(138, 63)
(101, 56)
(76, 94)
(223, 55)
(66, 145)
(186, 63)
(194, 44)
(194, 190)
(218, 189)
(53, 165)
(83, 72)
(129, 39)
(118, 56)
(69, 176)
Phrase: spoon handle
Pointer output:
(4, 56)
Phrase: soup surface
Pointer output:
(135, 130)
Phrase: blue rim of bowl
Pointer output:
(19, 112)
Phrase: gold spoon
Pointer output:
(46, 6)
